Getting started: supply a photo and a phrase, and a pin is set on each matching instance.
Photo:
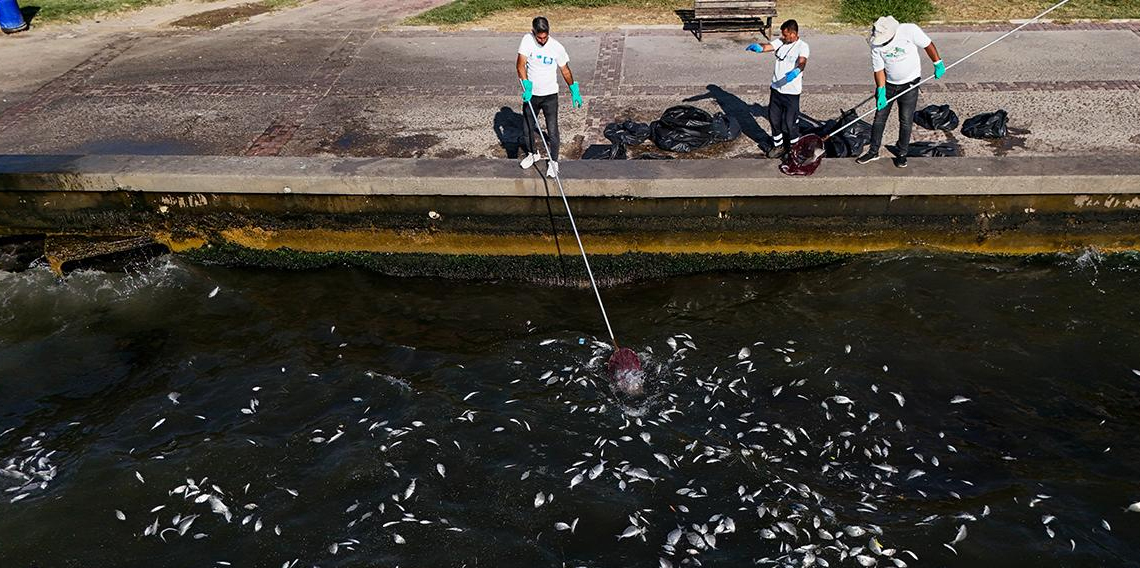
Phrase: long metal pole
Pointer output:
(573, 225)
(975, 52)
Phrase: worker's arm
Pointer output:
(880, 89)
(933, 52)
(801, 63)
(939, 67)
(760, 47)
(527, 86)
(575, 93)
(566, 74)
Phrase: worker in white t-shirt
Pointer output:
(541, 59)
(787, 83)
(897, 67)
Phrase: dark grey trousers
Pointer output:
(547, 106)
(907, 103)
(782, 112)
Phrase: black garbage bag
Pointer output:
(685, 128)
(936, 117)
(629, 132)
(615, 151)
(987, 125)
(847, 143)
(929, 150)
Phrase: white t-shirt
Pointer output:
(786, 57)
(900, 55)
(542, 63)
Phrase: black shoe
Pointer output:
(776, 152)
(900, 161)
(867, 158)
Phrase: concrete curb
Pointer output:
(626, 179)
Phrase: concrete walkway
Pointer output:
(338, 78)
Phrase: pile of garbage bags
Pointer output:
(684, 128)
(681, 128)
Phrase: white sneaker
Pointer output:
(529, 160)
(552, 169)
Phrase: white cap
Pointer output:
(883, 31)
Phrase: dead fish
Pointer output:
(410, 490)
(840, 399)
(960, 536)
(959, 400)
(1134, 508)
(120, 515)
(539, 499)
(214, 292)
(140, 477)
(442, 471)
(915, 473)
(899, 398)
(174, 397)
(576, 480)
(1046, 519)
(157, 424)
(631, 531)
(744, 353)
(398, 539)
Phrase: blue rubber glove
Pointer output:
(575, 96)
(791, 75)
(528, 90)
(755, 47)
(881, 98)
(939, 69)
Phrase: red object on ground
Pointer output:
(804, 157)
(623, 360)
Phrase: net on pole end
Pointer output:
(624, 360)
(804, 157)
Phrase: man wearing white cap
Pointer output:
(897, 67)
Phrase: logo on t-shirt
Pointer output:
(543, 59)
(894, 53)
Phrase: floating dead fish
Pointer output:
(959, 400)
(214, 292)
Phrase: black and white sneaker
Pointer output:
(900, 161)
(867, 158)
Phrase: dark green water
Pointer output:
(363, 384)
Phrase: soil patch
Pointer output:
(217, 18)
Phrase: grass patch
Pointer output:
(71, 10)
(48, 11)
(867, 11)
(979, 10)
(463, 11)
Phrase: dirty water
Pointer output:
(901, 409)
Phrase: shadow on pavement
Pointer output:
(743, 112)
(509, 130)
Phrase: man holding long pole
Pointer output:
(540, 59)
(897, 67)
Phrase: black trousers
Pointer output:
(782, 112)
(907, 103)
(547, 105)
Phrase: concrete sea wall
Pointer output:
(487, 218)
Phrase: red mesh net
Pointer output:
(804, 157)
(623, 360)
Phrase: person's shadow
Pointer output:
(29, 13)
(509, 130)
(743, 112)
